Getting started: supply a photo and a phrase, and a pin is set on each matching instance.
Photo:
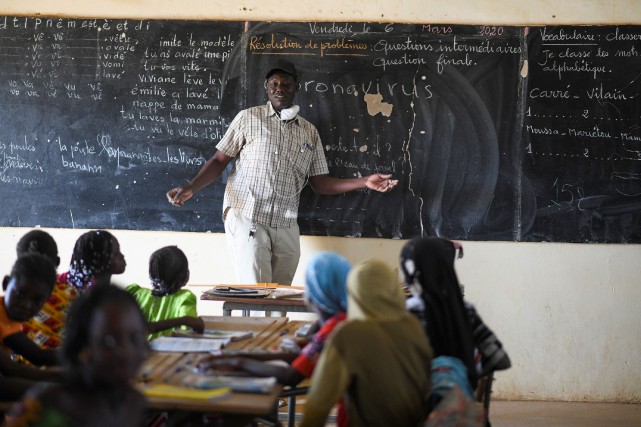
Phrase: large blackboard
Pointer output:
(581, 179)
(496, 133)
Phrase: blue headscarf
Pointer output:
(325, 282)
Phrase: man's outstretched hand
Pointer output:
(381, 183)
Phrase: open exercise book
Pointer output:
(189, 341)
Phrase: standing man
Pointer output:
(276, 152)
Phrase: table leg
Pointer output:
(226, 310)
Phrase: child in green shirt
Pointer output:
(167, 306)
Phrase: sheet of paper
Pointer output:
(281, 293)
(193, 345)
(236, 384)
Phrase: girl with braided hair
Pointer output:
(96, 257)
(167, 306)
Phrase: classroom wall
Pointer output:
(568, 314)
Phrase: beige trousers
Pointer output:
(270, 256)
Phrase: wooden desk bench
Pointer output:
(236, 409)
(268, 331)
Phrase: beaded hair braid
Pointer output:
(91, 257)
(168, 270)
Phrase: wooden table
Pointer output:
(259, 304)
(167, 368)
(268, 331)
(235, 408)
(247, 304)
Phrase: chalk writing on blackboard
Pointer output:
(495, 132)
(582, 133)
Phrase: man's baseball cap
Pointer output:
(284, 66)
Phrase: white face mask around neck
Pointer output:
(289, 113)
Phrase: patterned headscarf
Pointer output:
(325, 282)
(427, 265)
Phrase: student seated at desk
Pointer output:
(103, 348)
(379, 358)
(452, 326)
(45, 328)
(96, 257)
(167, 305)
(325, 290)
(25, 291)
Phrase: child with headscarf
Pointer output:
(452, 326)
(325, 291)
(378, 359)
(427, 266)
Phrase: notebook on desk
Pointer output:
(189, 393)
(246, 291)
(237, 292)
(232, 336)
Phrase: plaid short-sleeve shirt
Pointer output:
(274, 158)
